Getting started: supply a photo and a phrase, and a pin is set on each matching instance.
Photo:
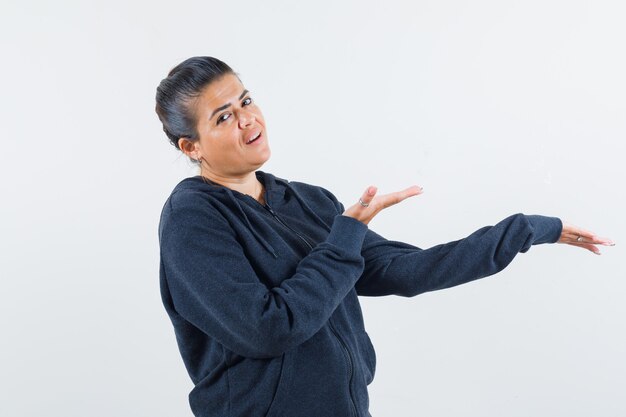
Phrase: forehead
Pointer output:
(225, 89)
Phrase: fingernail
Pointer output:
(598, 253)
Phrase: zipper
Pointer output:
(345, 348)
(332, 327)
(268, 208)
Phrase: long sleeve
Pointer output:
(214, 286)
(398, 268)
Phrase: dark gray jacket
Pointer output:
(263, 298)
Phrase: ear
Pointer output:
(188, 147)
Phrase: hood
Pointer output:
(276, 190)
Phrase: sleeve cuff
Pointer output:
(546, 229)
(348, 233)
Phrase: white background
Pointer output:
(494, 107)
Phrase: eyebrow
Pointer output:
(226, 105)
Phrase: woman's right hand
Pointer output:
(377, 203)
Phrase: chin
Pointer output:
(263, 160)
(269, 154)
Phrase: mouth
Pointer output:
(254, 138)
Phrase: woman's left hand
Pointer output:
(573, 235)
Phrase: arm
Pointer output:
(214, 287)
(402, 269)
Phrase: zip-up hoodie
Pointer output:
(263, 298)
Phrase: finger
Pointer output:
(571, 237)
(601, 240)
(587, 246)
(578, 231)
(597, 240)
(390, 199)
(368, 195)
(582, 238)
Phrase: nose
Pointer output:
(246, 119)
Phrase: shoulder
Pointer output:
(316, 191)
(191, 194)
(303, 188)
(316, 194)
(188, 208)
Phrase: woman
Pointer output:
(260, 275)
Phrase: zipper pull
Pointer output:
(267, 206)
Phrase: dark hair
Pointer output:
(176, 93)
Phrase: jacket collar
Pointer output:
(275, 194)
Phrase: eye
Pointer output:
(222, 118)
(247, 101)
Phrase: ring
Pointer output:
(579, 239)
(362, 203)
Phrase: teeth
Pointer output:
(254, 138)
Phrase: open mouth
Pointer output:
(256, 138)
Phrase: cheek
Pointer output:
(222, 142)
(231, 140)
(257, 112)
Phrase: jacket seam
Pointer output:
(228, 396)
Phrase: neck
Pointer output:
(245, 184)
